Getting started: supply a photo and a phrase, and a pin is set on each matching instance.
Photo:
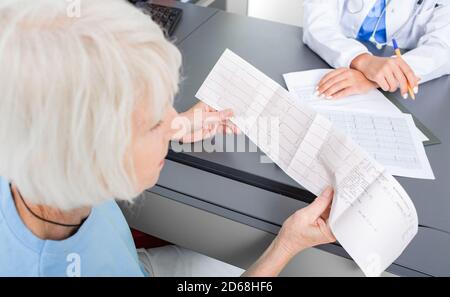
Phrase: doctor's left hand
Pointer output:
(343, 82)
(202, 122)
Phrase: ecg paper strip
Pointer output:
(389, 139)
(303, 86)
(371, 216)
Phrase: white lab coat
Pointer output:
(330, 28)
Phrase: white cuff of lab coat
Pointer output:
(428, 66)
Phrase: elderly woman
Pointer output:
(86, 117)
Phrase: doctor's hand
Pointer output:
(343, 82)
(389, 73)
(202, 122)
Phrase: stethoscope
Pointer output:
(372, 39)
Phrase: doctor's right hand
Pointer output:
(389, 73)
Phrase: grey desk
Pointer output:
(237, 186)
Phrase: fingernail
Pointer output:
(405, 96)
(317, 88)
(322, 96)
(330, 97)
(416, 90)
(316, 93)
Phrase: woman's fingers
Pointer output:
(326, 214)
(221, 115)
(323, 88)
(325, 230)
(222, 120)
(231, 128)
(226, 128)
(382, 82)
(204, 122)
(330, 75)
(217, 117)
(320, 205)
(337, 87)
(390, 78)
(402, 81)
(344, 93)
(413, 80)
(397, 74)
(194, 136)
(209, 131)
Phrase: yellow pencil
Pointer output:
(399, 54)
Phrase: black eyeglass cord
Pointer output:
(44, 219)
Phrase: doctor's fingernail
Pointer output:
(322, 96)
(405, 96)
(329, 97)
(316, 93)
(416, 90)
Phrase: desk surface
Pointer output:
(276, 49)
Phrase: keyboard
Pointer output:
(166, 17)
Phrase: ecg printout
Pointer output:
(372, 216)
(389, 139)
(303, 85)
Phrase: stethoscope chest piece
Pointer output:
(378, 45)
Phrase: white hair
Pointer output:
(68, 89)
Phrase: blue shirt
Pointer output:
(377, 13)
(103, 245)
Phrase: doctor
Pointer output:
(334, 29)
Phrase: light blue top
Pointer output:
(378, 12)
(103, 246)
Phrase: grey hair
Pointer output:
(68, 89)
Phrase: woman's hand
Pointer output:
(388, 73)
(308, 226)
(343, 82)
(305, 228)
(202, 122)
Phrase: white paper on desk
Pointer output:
(371, 215)
(389, 138)
(303, 85)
